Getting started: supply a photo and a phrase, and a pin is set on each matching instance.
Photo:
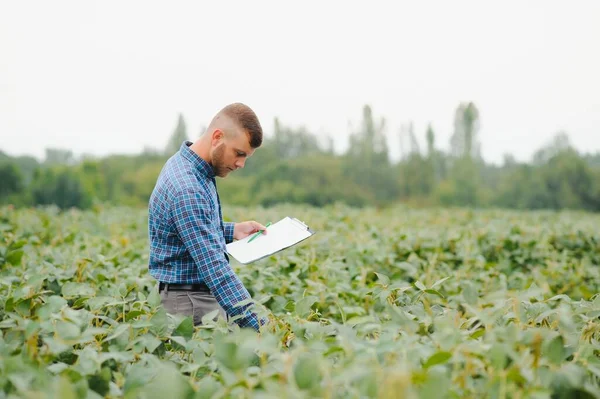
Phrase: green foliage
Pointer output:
(367, 165)
(58, 156)
(313, 180)
(290, 143)
(178, 136)
(139, 183)
(464, 142)
(59, 186)
(379, 303)
(292, 167)
(464, 187)
(11, 181)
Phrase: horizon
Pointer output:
(268, 135)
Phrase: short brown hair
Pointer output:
(247, 120)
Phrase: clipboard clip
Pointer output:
(302, 224)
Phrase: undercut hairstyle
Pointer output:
(245, 118)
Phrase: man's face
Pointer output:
(230, 153)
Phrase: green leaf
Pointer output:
(72, 289)
(368, 384)
(434, 292)
(353, 321)
(439, 282)
(87, 361)
(6, 227)
(437, 381)
(560, 297)
(478, 333)
(231, 355)
(179, 340)
(100, 382)
(65, 390)
(160, 322)
(514, 375)
(14, 257)
(133, 314)
(150, 342)
(185, 328)
(67, 331)
(121, 329)
(307, 372)
(554, 350)
(437, 358)
(21, 381)
(469, 292)
(400, 287)
(57, 368)
(209, 318)
(154, 298)
(497, 356)
(383, 279)
(208, 387)
(138, 376)
(303, 306)
(8, 323)
(419, 285)
(17, 244)
(409, 268)
(121, 357)
(384, 295)
(167, 383)
(98, 302)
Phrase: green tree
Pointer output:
(316, 180)
(285, 144)
(463, 189)
(25, 164)
(432, 173)
(60, 186)
(292, 143)
(559, 143)
(92, 179)
(178, 136)
(11, 181)
(571, 182)
(58, 156)
(139, 183)
(430, 136)
(464, 142)
(366, 162)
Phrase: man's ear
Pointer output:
(217, 137)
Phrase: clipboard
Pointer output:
(283, 234)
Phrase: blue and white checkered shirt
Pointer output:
(187, 233)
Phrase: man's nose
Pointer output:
(240, 163)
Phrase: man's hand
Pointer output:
(244, 229)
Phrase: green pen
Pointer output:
(258, 233)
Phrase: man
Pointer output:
(186, 229)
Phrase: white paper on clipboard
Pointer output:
(283, 234)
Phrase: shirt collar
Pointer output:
(197, 162)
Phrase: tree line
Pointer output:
(295, 166)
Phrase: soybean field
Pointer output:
(379, 303)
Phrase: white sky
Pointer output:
(111, 76)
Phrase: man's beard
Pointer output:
(218, 161)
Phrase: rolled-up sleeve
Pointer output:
(192, 216)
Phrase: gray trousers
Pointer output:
(191, 303)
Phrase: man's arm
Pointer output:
(229, 226)
(191, 214)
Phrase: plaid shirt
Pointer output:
(187, 233)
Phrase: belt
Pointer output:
(182, 287)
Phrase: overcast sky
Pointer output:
(111, 76)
